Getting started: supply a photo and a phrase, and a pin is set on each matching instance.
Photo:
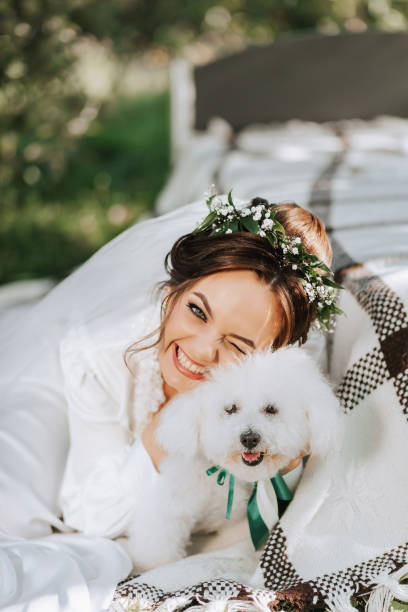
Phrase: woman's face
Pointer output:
(222, 317)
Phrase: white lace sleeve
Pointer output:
(105, 475)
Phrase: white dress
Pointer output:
(107, 466)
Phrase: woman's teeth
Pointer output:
(189, 365)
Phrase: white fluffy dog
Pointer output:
(252, 418)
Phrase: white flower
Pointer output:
(319, 304)
(257, 216)
(229, 231)
(298, 240)
(267, 224)
(224, 211)
(230, 217)
(245, 212)
(268, 214)
(294, 267)
(261, 232)
(295, 251)
(210, 191)
(216, 204)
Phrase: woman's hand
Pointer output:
(295, 462)
(156, 452)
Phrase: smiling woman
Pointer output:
(227, 296)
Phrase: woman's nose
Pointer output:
(207, 355)
(207, 351)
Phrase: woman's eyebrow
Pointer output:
(246, 340)
(206, 304)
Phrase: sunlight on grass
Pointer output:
(112, 179)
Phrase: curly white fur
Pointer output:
(198, 429)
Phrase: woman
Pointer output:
(225, 296)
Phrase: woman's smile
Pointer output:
(187, 366)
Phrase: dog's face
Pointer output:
(253, 418)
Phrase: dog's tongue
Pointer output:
(250, 456)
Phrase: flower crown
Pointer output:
(226, 218)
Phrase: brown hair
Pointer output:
(194, 256)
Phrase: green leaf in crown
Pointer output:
(225, 218)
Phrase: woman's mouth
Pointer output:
(252, 458)
(186, 366)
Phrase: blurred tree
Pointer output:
(37, 97)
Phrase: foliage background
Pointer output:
(84, 128)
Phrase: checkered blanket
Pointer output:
(344, 535)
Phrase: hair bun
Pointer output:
(256, 201)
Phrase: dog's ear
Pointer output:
(326, 420)
(177, 431)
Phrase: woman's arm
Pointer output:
(105, 474)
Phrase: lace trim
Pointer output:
(148, 390)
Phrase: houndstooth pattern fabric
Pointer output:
(382, 304)
(367, 374)
(277, 570)
(214, 590)
(361, 577)
(401, 387)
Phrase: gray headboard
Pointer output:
(311, 77)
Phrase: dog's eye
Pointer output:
(271, 409)
(231, 409)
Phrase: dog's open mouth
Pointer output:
(252, 458)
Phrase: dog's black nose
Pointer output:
(249, 438)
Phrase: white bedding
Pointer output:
(60, 572)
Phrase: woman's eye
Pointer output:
(237, 347)
(197, 311)
(271, 409)
(201, 315)
(231, 409)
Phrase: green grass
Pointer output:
(112, 178)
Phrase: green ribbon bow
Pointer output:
(220, 480)
(258, 530)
